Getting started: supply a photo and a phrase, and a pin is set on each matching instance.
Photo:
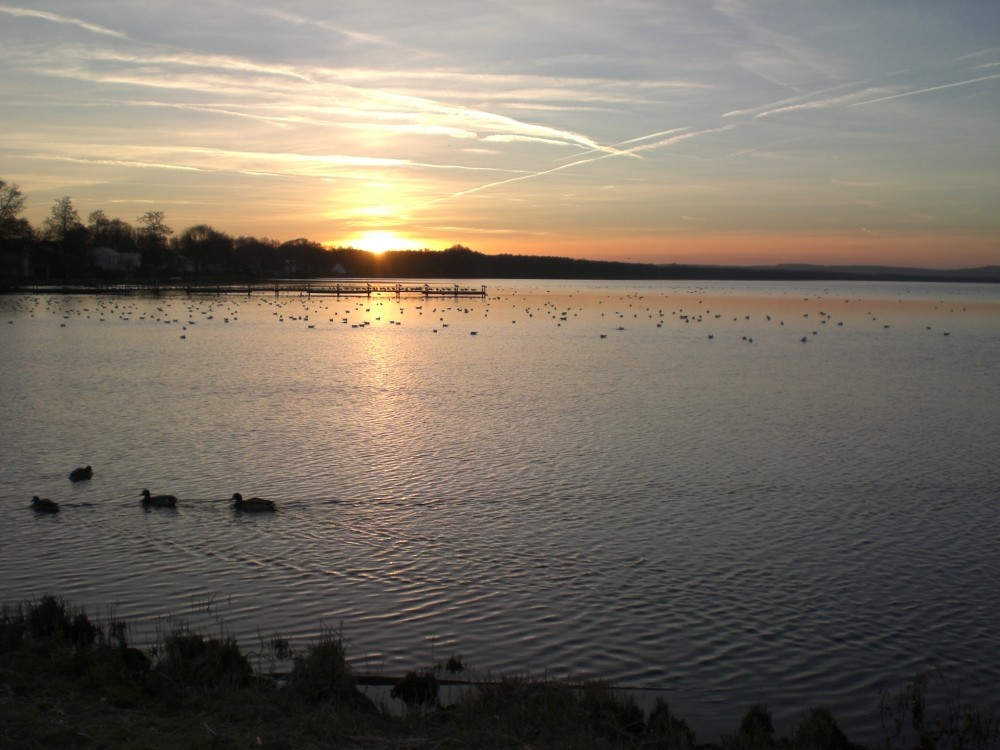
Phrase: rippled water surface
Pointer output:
(659, 485)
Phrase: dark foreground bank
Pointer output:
(68, 681)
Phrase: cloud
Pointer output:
(403, 106)
(779, 58)
(297, 20)
(606, 154)
(927, 90)
(789, 103)
(287, 94)
(56, 18)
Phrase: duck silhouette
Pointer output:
(251, 503)
(81, 473)
(44, 505)
(158, 501)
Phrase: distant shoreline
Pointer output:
(461, 263)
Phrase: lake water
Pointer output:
(662, 485)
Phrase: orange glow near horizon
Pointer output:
(379, 241)
(924, 250)
(699, 144)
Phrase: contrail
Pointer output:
(519, 178)
(634, 151)
(924, 91)
(56, 18)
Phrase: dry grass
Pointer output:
(67, 682)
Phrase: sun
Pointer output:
(379, 240)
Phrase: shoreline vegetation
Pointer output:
(67, 680)
(303, 261)
(65, 251)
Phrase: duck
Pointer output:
(80, 473)
(251, 503)
(158, 501)
(44, 505)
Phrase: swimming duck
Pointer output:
(158, 501)
(44, 505)
(251, 503)
(83, 472)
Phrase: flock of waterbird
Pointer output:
(320, 312)
(149, 500)
(371, 312)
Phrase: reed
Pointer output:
(67, 680)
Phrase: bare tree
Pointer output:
(152, 229)
(64, 228)
(151, 235)
(114, 233)
(15, 231)
(209, 248)
(62, 221)
(12, 202)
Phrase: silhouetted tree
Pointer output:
(151, 237)
(15, 231)
(258, 257)
(304, 257)
(114, 233)
(12, 202)
(65, 230)
(207, 248)
(17, 238)
(62, 220)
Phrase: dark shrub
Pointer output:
(417, 689)
(756, 731)
(52, 620)
(666, 731)
(819, 731)
(454, 665)
(322, 673)
(523, 710)
(610, 714)
(12, 628)
(196, 661)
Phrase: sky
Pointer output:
(687, 131)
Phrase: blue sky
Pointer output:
(716, 132)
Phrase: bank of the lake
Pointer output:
(70, 680)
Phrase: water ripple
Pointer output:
(733, 522)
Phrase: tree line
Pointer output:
(65, 248)
(68, 247)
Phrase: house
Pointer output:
(108, 259)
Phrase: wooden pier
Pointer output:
(302, 288)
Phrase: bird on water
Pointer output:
(80, 473)
(158, 501)
(251, 503)
(44, 505)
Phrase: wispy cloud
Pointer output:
(56, 18)
(505, 117)
(926, 90)
(286, 90)
(850, 99)
(632, 151)
(342, 31)
(790, 102)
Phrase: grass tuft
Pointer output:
(665, 731)
(417, 689)
(192, 660)
(322, 673)
(66, 680)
